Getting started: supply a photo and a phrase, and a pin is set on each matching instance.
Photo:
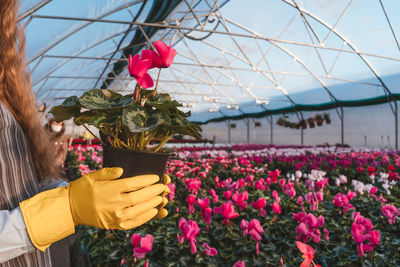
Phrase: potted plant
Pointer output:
(303, 124)
(280, 121)
(319, 119)
(311, 122)
(128, 123)
(327, 118)
(286, 123)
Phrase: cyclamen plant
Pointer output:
(132, 121)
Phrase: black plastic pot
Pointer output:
(135, 162)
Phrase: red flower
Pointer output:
(209, 251)
(138, 69)
(141, 245)
(276, 208)
(164, 56)
(308, 254)
(227, 210)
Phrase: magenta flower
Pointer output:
(239, 264)
(227, 210)
(308, 227)
(309, 197)
(289, 189)
(141, 245)
(171, 194)
(390, 213)
(276, 208)
(300, 200)
(259, 205)
(326, 234)
(227, 194)
(240, 199)
(138, 69)
(203, 203)
(164, 56)
(341, 200)
(254, 229)
(209, 251)
(214, 195)
(189, 231)
(361, 230)
(319, 196)
(191, 199)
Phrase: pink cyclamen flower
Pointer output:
(240, 199)
(361, 230)
(239, 264)
(166, 54)
(319, 196)
(227, 210)
(209, 251)
(276, 208)
(300, 200)
(254, 229)
(259, 205)
(191, 199)
(138, 69)
(203, 203)
(189, 231)
(171, 194)
(326, 234)
(214, 195)
(227, 194)
(390, 213)
(141, 245)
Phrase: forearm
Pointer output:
(14, 239)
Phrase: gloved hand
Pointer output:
(162, 213)
(97, 199)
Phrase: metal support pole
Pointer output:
(248, 131)
(271, 124)
(229, 132)
(396, 126)
(342, 126)
(302, 136)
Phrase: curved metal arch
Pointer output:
(81, 27)
(78, 53)
(88, 48)
(344, 39)
(298, 60)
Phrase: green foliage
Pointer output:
(131, 121)
(108, 248)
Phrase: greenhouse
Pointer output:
(200, 133)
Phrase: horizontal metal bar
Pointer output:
(224, 67)
(253, 36)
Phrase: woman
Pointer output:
(31, 221)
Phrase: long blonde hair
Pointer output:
(16, 91)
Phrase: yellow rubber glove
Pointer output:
(162, 213)
(98, 199)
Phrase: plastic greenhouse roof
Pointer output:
(235, 58)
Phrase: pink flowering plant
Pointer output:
(256, 205)
(132, 121)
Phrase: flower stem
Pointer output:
(158, 77)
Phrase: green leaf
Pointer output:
(68, 109)
(103, 99)
(102, 119)
(137, 120)
(162, 102)
(134, 117)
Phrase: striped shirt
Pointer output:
(17, 183)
